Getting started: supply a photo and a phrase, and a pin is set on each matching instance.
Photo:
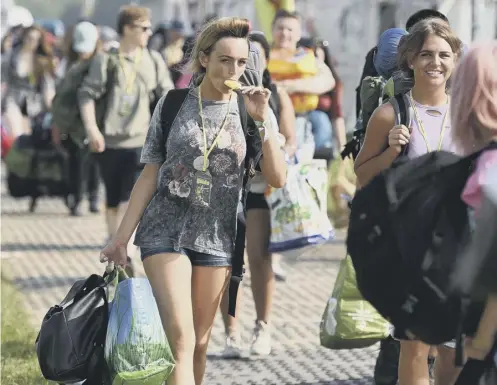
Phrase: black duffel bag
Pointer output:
(70, 344)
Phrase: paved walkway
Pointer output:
(45, 252)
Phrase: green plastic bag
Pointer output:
(341, 189)
(136, 348)
(349, 321)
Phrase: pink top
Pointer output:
(472, 191)
(432, 124)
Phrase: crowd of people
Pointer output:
(148, 113)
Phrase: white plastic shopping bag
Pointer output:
(298, 210)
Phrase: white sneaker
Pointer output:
(261, 340)
(232, 347)
(278, 272)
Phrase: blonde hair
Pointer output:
(130, 14)
(474, 97)
(410, 45)
(214, 31)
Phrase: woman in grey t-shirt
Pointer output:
(187, 195)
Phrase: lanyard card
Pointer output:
(202, 186)
(126, 104)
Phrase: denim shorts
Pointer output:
(256, 201)
(196, 258)
(400, 335)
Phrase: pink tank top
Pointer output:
(432, 123)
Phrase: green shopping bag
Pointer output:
(349, 321)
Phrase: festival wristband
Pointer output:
(263, 131)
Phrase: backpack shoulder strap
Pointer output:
(403, 113)
(170, 108)
(402, 108)
(242, 110)
(397, 104)
(237, 269)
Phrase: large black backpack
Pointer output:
(70, 344)
(406, 228)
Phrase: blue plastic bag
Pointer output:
(136, 347)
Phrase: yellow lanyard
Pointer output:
(32, 78)
(422, 128)
(207, 153)
(130, 76)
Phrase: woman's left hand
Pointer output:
(257, 102)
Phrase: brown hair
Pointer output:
(130, 14)
(43, 55)
(68, 50)
(284, 14)
(410, 45)
(214, 31)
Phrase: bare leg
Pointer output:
(413, 367)
(230, 323)
(170, 276)
(208, 285)
(261, 270)
(445, 370)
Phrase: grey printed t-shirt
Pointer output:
(170, 218)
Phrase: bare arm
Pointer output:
(337, 116)
(339, 132)
(88, 116)
(273, 164)
(376, 155)
(48, 90)
(319, 84)
(142, 193)
(287, 122)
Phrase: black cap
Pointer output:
(425, 14)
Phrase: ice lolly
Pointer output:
(233, 84)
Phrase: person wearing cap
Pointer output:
(81, 43)
(139, 78)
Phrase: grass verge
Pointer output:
(19, 360)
